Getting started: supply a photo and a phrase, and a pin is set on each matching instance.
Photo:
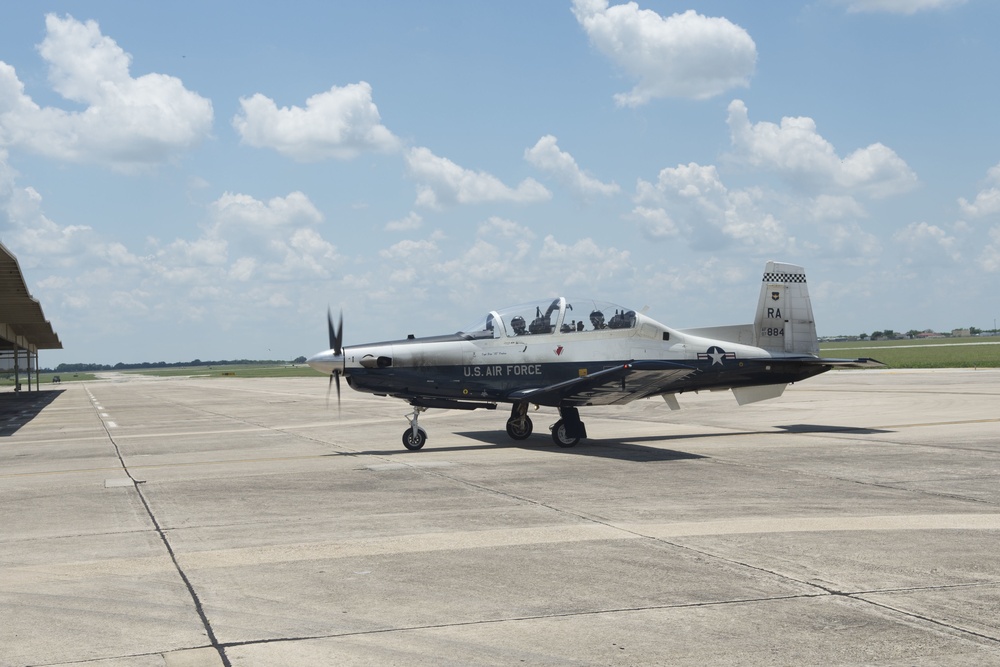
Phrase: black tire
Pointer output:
(519, 428)
(416, 443)
(560, 437)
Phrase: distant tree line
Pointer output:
(889, 334)
(146, 365)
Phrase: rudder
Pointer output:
(784, 321)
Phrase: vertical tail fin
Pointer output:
(784, 321)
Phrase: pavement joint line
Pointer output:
(126, 656)
(927, 619)
(622, 610)
(877, 485)
(858, 595)
(421, 543)
(522, 619)
(202, 615)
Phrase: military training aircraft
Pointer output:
(569, 354)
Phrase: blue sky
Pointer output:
(201, 180)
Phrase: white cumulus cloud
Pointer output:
(245, 213)
(798, 152)
(340, 123)
(441, 182)
(987, 201)
(927, 244)
(128, 122)
(547, 156)
(655, 223)
(279, 235)
(710, 215)
(684, 55)
(989, 260)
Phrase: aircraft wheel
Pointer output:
(519, 428)
(560, 437)
(414, 443)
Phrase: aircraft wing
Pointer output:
(612, 386)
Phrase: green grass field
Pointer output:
(978, 352)
(243, 371)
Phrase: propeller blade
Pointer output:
(336, 344)
(336, 335)
(338, 348)
(338, 394)
(333, 334)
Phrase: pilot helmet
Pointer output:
(597, 319)
(517, 324)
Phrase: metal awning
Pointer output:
(22, 323)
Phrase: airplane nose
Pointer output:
(327, 362)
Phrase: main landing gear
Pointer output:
(566, 432)
(519, 425)
(569, 429)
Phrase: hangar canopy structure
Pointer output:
(23, 327)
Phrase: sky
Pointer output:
(193, 180)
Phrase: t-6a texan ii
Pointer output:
(574, 353)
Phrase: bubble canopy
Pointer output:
(551, 316)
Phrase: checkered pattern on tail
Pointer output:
(784, 277)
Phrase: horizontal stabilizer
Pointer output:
(864, 362)
(809, 360)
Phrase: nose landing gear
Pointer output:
(414, 437)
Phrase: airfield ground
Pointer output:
(212, 521)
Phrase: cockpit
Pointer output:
(562, 316)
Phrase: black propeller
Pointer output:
(336, 344)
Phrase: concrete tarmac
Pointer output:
(230, 521)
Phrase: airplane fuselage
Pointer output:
(488, 369)
(572, 354)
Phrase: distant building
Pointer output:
(961, 333)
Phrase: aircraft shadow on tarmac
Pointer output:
(613, 448)
(622, 450)
(823, 428)
(627, 449)
(19, 408)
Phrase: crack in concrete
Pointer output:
(170, 551)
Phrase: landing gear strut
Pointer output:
(414, 437)
(519, 425)
(567, 431)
